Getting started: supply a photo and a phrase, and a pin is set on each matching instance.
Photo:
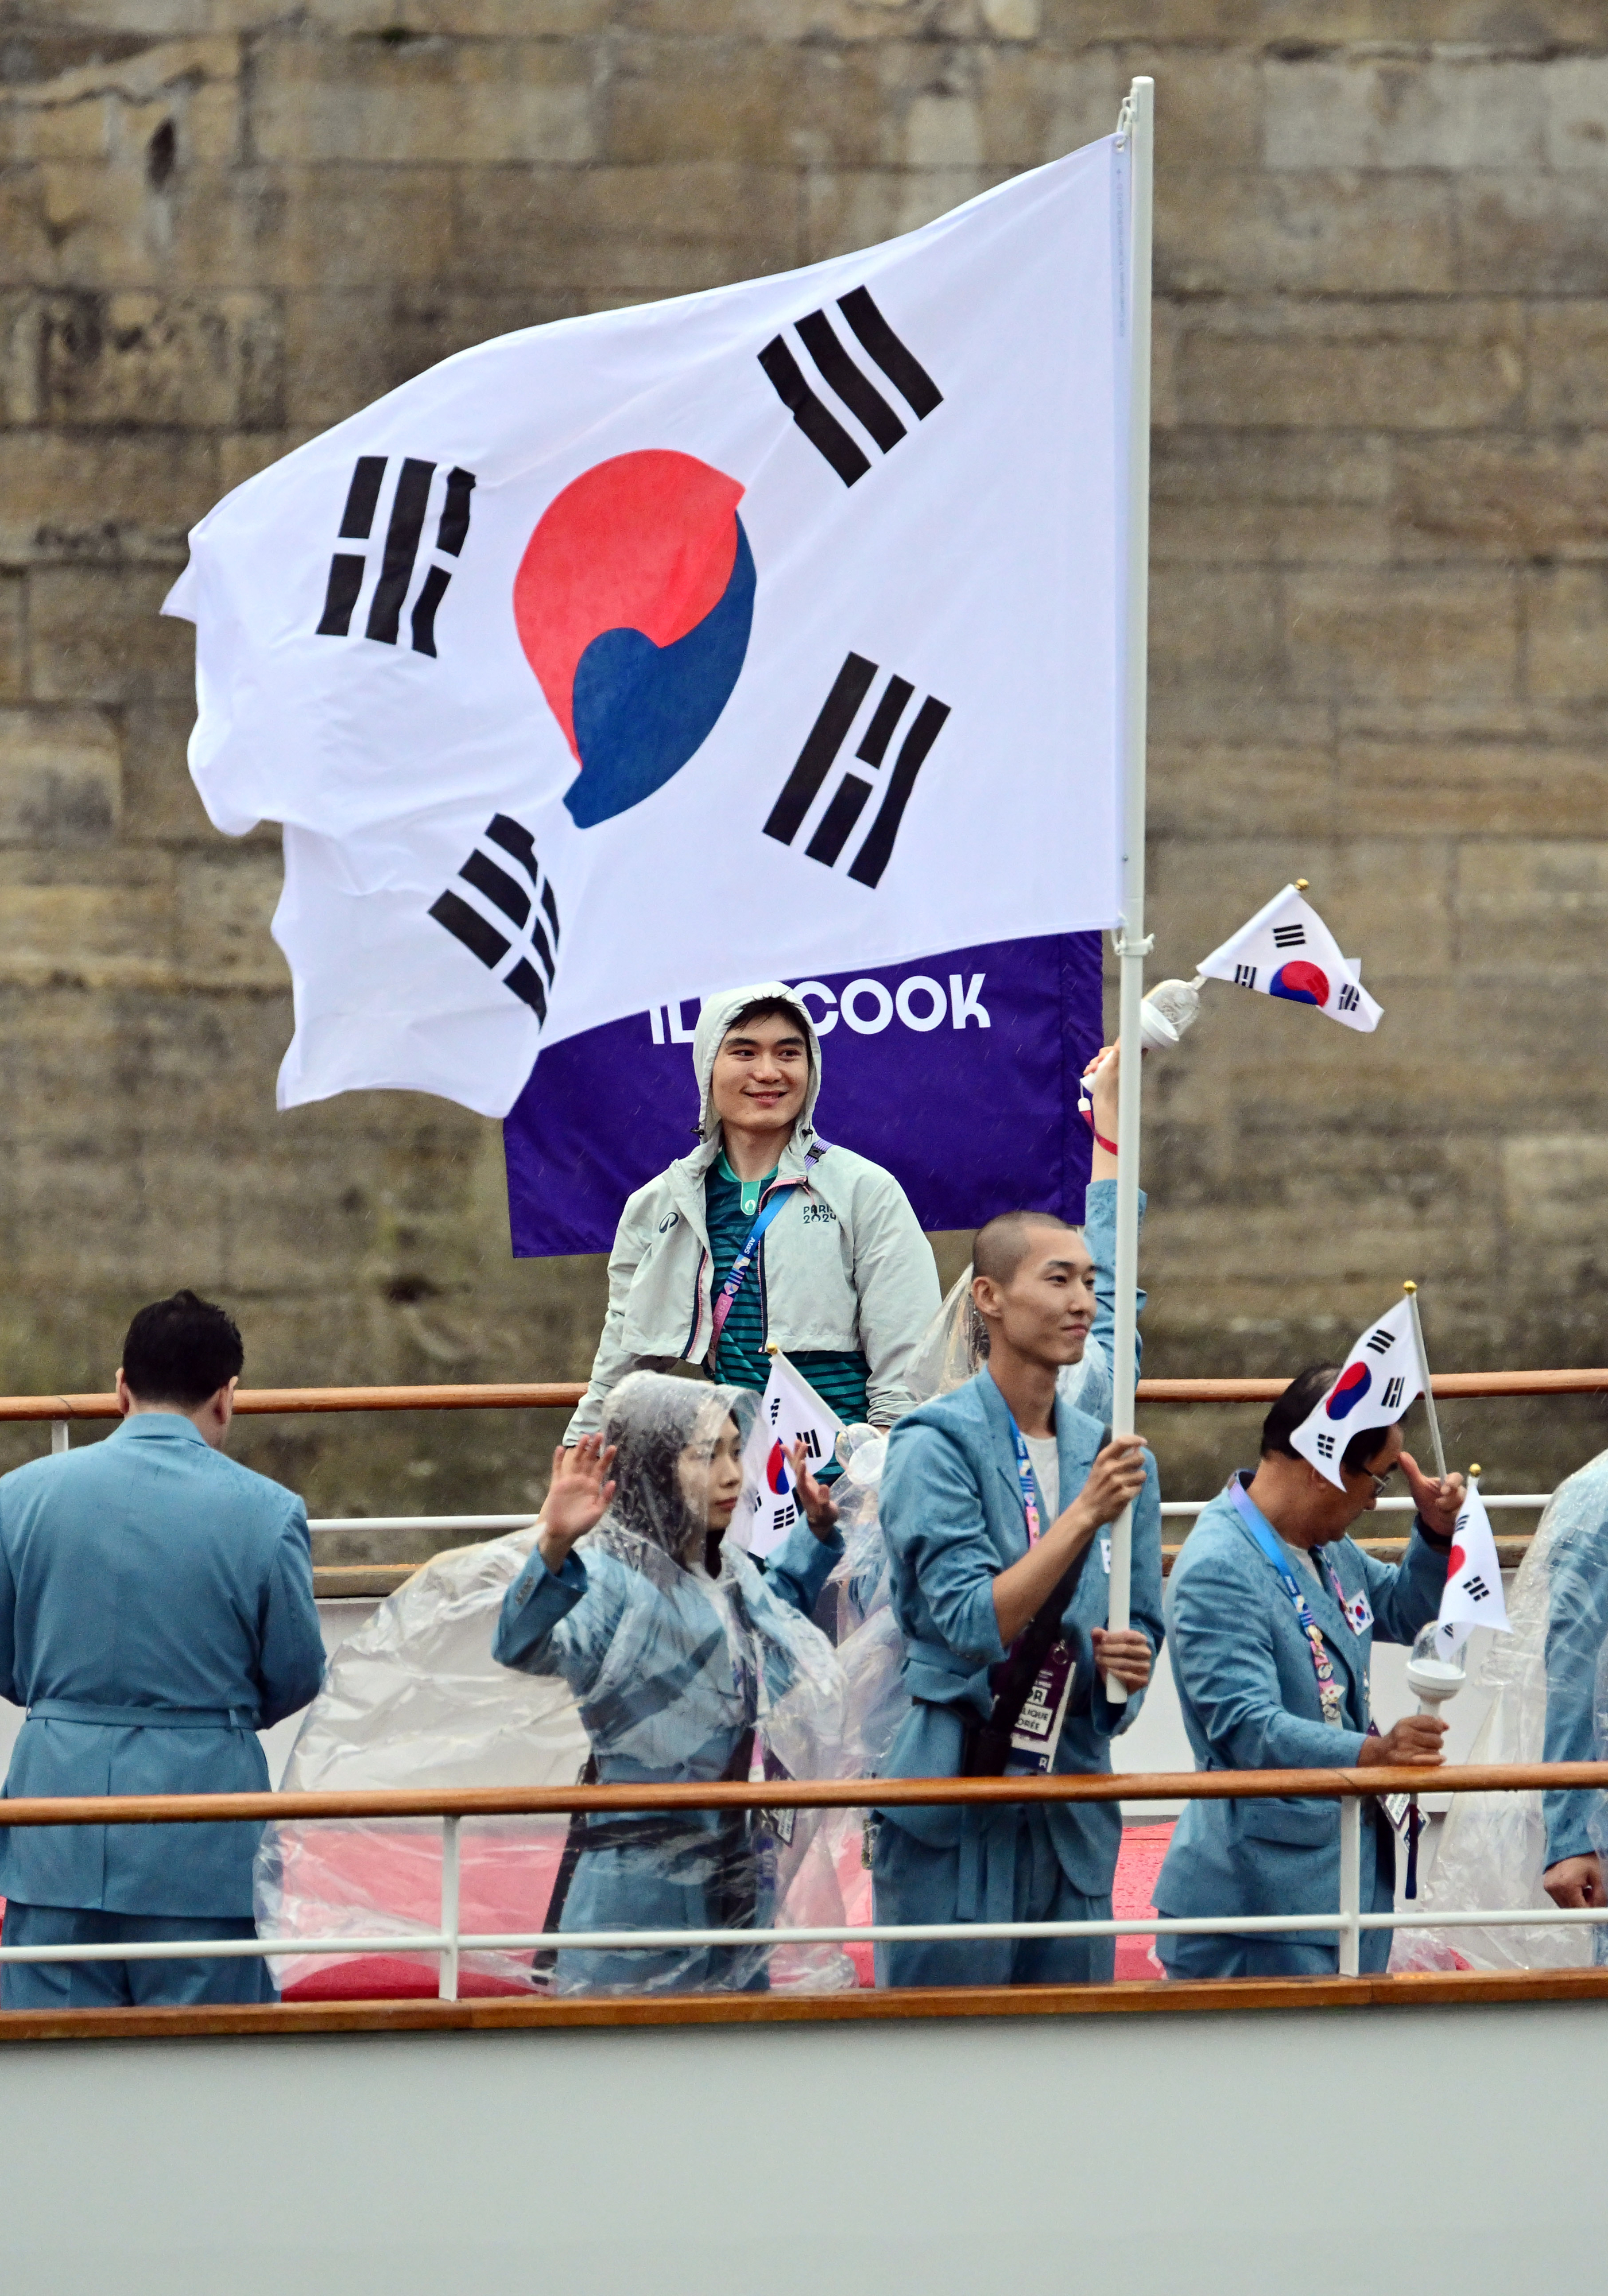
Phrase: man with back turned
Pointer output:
(156, 1611)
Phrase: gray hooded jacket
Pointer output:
(847, 1265)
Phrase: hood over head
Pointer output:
(652, 1419)
(716, 1018)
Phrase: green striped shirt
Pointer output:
(837, 1374)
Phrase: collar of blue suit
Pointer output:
(1261, 1534)
(1015, 1469)
(162, 1426)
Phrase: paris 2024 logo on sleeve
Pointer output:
(633, 603)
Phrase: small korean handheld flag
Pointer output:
(1378, 1381)
(790, 1413)
(1287, 950)
(1473, 1596)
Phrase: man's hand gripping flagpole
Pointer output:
(1136, 125)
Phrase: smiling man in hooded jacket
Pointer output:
(766, 1232)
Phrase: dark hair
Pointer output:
(181, 1351)
(1299, 1401)
(1000, 1245)
(768, 1008)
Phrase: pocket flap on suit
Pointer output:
(1304, 1823)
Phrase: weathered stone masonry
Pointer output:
(1380, 626)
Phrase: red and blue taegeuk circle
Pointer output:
(1300, 982)
(634, 602)
(1349, 1391)
(778, 1474)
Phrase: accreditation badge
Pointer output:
(1037, 1732)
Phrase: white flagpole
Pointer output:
(1424, 1372)
(1137, 124)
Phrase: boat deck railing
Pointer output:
(449, 1941)
(333, 1581)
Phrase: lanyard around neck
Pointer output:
(1330, 1696)
(1024, 1474)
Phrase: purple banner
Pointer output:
(959, 1072)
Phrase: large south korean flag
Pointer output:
(745, 635)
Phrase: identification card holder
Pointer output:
(1398, 1809)
(779, 1824)
(1038, 1731)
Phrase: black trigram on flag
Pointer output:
(1392, 1392)
(1475, 1589)
(1244, 976)
(1289, 936)
(849, 384)
(1380, 1342)
(409, 504)
(524, 910)
(848, 801)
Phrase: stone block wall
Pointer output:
(1380, 626)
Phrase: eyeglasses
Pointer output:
(1378, 1481)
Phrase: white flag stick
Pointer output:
(1424, 1372)
(1137, 122)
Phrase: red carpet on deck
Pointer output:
(505, 1883)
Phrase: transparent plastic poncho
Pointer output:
(677, 1663)
(1492, 1849)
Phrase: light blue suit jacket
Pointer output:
(1250, 1699)
(1577, 1625)
(951, 1515)
(156, 1611)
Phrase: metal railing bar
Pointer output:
(227, 1949)
(451, 1916)
(427, 1522)
(1380, 1506)
(957, 1932)
(336, 1523)
(733, 1939)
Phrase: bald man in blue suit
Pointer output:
(156, 1611)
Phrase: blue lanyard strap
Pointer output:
(774, 1202)
(1329, 1693)
(1024, 1475)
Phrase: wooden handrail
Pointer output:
(564, 1394)
(802, 1793)
(538, 1394)
(1451, 1385)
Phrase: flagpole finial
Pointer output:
(1409, 1288)
(771, 1348)
(1474, 1472)
(1301, 884)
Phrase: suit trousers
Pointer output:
(913, 1883)
(115, 1983)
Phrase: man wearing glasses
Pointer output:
(1272, 1612)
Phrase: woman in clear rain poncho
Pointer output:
(682, 1654)
(679, 1650)
(1549, 1680)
